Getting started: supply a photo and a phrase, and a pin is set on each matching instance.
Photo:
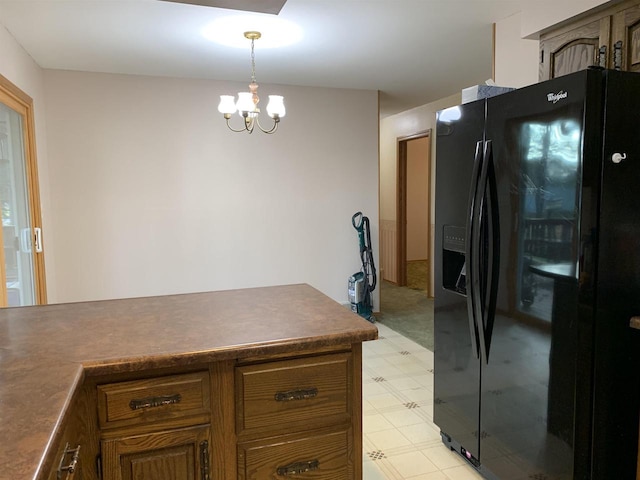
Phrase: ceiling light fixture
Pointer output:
(247, 104)
(276, 32)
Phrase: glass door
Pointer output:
(21, 262)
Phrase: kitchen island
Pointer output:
(219, 385)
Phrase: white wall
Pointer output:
(397, 126)
(516, 59)
(538, 15)
(20, 69)
(403, 124)
(151, 194)
(145, 162)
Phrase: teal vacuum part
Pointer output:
(363, 283)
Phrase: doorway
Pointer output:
(414, 212)
(405, 303)
(22, 276)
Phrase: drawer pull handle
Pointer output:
(296, 395)
(298, 468)
(152, 402)
(73, 464)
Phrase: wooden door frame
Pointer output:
(16, 99)
(401, 205)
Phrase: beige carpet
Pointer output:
(418, 275)
(407, 311)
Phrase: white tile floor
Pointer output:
(400, 440)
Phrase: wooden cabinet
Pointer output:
(148, 401)
(187, 386)
(156, 428)
(178, 454)
(625, 38)
(606, 37)
(299, 416)
(326, 455)
(574, 49)
(269, 416)
(69, 465)
(293, 395)
(73, 451)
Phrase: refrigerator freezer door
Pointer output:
(456, 361)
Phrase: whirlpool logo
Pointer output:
(556, 97)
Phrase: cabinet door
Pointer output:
(572, 50)
(181, 454)
(626, 39)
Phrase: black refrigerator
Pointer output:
(537, 261)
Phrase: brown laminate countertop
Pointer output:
(46, 351)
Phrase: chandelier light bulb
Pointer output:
(227, 104)
(275, 107)
(245, 103)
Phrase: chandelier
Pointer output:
(247, 104)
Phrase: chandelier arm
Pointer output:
(272, 130)
(238, 130)
(249, 125)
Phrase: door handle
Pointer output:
(489, 220)
(477, 249)
(25, 240)
(37, 239)
(470, 260)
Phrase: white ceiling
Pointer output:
(413, 51)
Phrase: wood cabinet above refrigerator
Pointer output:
(606, 37)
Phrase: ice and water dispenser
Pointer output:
(453, 255)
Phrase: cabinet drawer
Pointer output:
(322, 456)
(293, 394)
(154, 399)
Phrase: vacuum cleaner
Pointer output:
(362, 283)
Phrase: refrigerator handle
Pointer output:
(477, 250)
(489, 220)
(471, 271)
